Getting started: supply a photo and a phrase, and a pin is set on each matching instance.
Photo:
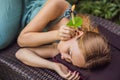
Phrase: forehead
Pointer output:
(75, 48)
(77, 55)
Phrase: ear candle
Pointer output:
(72, 14)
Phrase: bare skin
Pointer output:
(36, 57)
(32, 35)
(69, 50)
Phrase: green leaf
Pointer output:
(78, 22)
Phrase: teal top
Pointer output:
(34, 6)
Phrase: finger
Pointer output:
(68, 32)
(70, 29)
(73, 34)
(72, 76)
(64, 32)
(67, 27)
(76, 77)
(64, 28)
(64, 39)
(68, 75)
(65, 35)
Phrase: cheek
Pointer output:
(76, 60)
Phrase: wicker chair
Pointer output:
(13, 69)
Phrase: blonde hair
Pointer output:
(87, 24)
(93, 45)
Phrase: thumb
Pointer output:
(67, 75)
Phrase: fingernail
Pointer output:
(75, 71)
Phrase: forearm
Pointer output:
(41, 63)
(32, 39)
(30, 58)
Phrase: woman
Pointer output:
(78, 53)
(86, 50)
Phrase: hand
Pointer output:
(66, 33)
(65, 73)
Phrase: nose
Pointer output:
(65, 57)
(62, 56)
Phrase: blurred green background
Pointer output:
(108, 9)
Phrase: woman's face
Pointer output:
(71, 52)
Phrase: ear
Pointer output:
(79, 33)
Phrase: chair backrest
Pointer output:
(109, 29)
(111, 72)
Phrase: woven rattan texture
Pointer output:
(12, 69)
(113, 27)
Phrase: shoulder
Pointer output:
(57, 7)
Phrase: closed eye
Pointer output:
(69, 52)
